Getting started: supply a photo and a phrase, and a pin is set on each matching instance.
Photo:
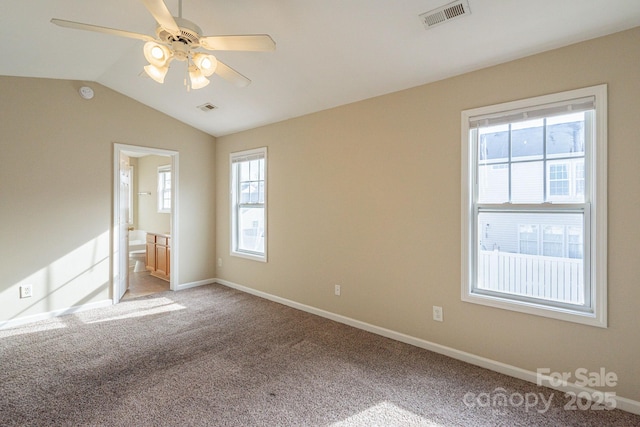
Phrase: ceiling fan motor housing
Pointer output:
(190, 33)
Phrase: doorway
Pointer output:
(126, 203)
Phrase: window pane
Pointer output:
(493, 183)
(244, 171)
(528, 235)
(580, 179)
(527, 184)
(254, 169)
(251, 229)
(558, 180)
(245, 192)
(164, 190)
(565, 180)
(493, 144)
(261, 192)
(575, 242)
(553, 240)
(527, 140)
(503, 266)
(566, 135)
(253, 191)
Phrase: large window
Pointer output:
(248, 204)
(534, 205)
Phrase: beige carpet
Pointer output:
(218, 357)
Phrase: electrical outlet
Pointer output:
(219, 262)
(26, 291)
(337, 290)
(437, 314)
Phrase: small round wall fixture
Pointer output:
(86, 92)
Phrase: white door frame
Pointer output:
(117, 269)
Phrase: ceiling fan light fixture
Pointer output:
(156, 54)
(206, 63)
(156, 73)
(198, 80)
(179, 39)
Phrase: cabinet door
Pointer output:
(161, 260)
(168, 261)
(151, 256)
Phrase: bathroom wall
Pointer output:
(147, 217)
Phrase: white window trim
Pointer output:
(596, 249)
(232, 202)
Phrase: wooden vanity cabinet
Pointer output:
(159, 255)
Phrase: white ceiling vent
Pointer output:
(207, 107)
(446, 13)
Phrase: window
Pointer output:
(558, 180)
(164, 189)
(534, 206)
(553, 240)
(248, 204)
(528, 236)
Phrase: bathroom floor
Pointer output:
(143, 283)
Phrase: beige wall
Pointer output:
(148, 217)
(368, 196)
(56, 186)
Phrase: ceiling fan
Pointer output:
(181, 39)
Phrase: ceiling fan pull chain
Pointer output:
(186, 77)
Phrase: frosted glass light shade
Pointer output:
(156, 73)
(156, 54)
(198, 81)
(206, 63)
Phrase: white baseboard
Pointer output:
(12, 323)
(184, 286)
(622, 403)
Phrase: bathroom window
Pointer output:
(164, 189)
(249, 204)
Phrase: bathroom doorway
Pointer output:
(149, 214)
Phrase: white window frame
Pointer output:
(235, 159)
(594, 210)
(162, 189)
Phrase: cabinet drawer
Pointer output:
(151, 238)
(160, 240)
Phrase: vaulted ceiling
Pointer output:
(329, 52)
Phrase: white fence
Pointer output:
(559, 279)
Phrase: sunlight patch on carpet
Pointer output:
(144, 308)
(387, 414)
(51, 324)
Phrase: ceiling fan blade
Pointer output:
(249, 42)
(98, 29)
(231, 75)
(162, 15)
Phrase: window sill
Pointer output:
(247, 255)
(597, 319)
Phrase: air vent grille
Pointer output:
(207, 107)
(445, 13)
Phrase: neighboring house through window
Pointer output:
(534, 205)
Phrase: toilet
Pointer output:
(139, 256)
(137, 250)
